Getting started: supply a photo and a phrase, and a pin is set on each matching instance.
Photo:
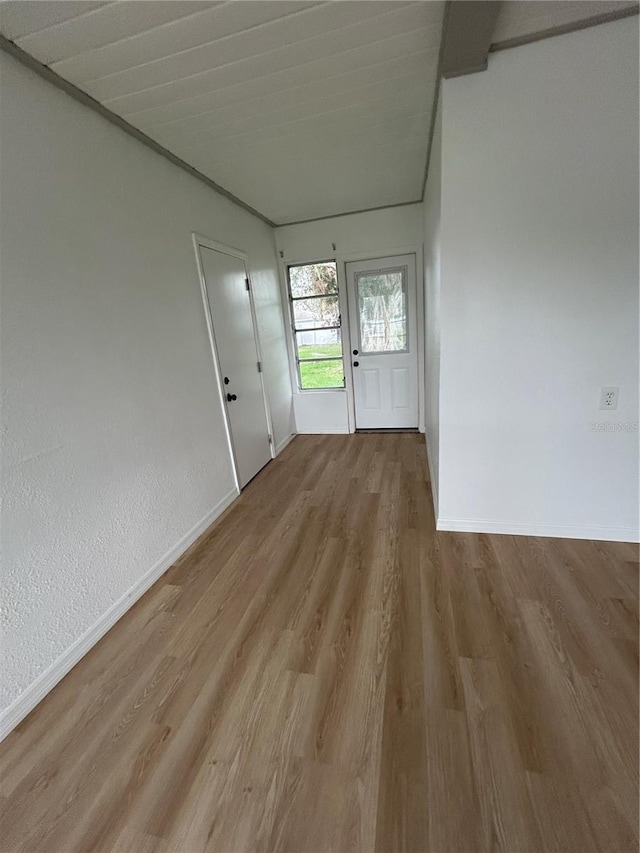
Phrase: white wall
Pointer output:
(539, 291)
(378, 233)
(114, 445)
(432, 200)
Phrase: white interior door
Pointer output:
(229, 302)
(382, 323)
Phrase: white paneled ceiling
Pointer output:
(300, 109)
(518, 18)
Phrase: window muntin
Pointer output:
(382, 310)
(315, 314)
(314, 347)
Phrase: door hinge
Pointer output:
(246, 281)
(270, 440)
(259, 367)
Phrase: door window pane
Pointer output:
(382, 310)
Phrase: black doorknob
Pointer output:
(231, 397)
(226, 380)
(355, 352)
(356, 363)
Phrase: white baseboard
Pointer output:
(47, 680)
(281, 446)
(561, 531)
(323, 432)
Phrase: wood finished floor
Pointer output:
(323, 671)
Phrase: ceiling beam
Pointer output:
(467, 37)
(571, 27)
(467, 30)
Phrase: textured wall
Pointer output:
(113, 437)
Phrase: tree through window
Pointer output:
(382, 310)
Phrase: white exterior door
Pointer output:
(384, 346)
(229, 302)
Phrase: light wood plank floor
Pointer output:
(323, 671)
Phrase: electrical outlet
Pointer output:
(609, 398)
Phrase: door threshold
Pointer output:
(389, 430)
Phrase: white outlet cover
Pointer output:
(609, 398)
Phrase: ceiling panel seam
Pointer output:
(66, 20)
(292, 89)
(368, 124)
(176, 21)
(288, 46)
(288, 70)
(339, 98)
(415, 87)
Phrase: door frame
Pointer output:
(204, 242)
(343, 284)
(419, 303)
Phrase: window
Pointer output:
(382, 310)
(315, 313)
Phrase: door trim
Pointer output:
(390, 252)
(204, 242)
(343, 285)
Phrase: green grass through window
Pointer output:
(320, 351)
(321, 374)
